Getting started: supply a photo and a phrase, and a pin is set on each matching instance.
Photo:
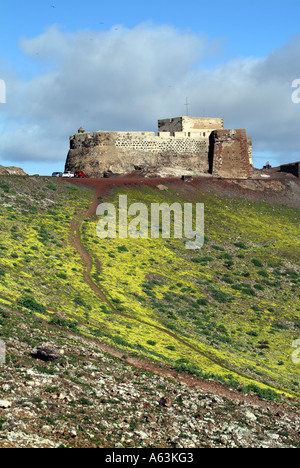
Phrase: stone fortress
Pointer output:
(183, 146)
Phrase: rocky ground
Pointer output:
(88, 398)
(265, 186)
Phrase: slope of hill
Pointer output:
(215, 324)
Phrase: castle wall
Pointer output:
(190, 124)
(122, 151)
(230, 154)
(178, 144)
(199, 145)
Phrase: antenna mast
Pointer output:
(187, 106)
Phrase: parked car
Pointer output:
(68, 174)
(79, 174)
(57, 174)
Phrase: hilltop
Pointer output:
(153, 345)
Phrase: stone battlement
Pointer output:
(142, 139)
(190, 124)
(185, 142)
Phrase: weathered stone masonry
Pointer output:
(230, 154)
(188, 143)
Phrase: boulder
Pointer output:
(11, 170)
(45, 353)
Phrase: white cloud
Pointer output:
(127, 79)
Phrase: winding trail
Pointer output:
(143, 364)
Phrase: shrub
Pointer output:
(263, 345)
(217, 247)
(120, 341)
(226, 256)
(227, 279)
(280, 326)
(51, 187)
(221, 296)
(61, 322)
(222, 329)
(5, 188)
(2, 421)
(79, 301)
(202, 301)
(97, 333)
(264, 393)
(84, 401)
(202, 260)
(241, 245)
(171, 315)
(196, 260)
(244, 288)
(292, 274)
(61, 275)
(263, 273)
(171, 348)
(257, 262)
(123, 248)
(30, 303)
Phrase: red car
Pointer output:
(79, 174)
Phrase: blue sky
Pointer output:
(123, 65)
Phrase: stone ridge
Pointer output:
(186, 143)
(12, 170)
(292, 168)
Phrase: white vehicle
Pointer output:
(68, 174)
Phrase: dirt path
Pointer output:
(88, 260)
(143, 364)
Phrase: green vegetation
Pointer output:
(228, 312)
(40, 269)
(218, 305)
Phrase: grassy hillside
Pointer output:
(231, 309)
(229, 312)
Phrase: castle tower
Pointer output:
(198, 145)
(190, 125)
